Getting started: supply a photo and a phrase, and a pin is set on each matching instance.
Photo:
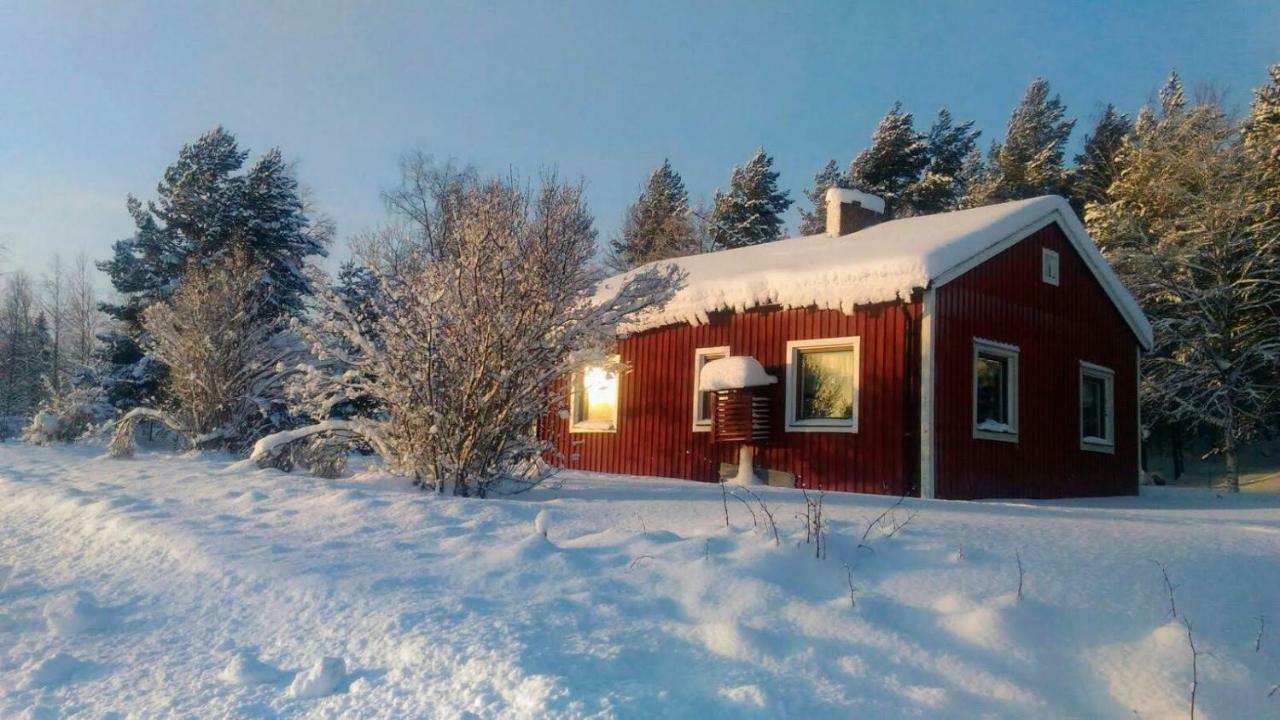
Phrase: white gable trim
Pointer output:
(1088, 252)
(928, 480)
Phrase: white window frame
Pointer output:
(1108, 378)
(1050, 266)
(1010, 354)
(794, 348)
(702, 356)
(587, 426)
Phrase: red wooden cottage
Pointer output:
(989, 352)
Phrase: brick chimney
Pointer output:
(849, 211)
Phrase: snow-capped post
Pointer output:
(739, 413)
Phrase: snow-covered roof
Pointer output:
(881, 263)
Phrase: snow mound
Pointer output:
(323, 678)
(75, 614)
(59, 669)
(733, 373)
(246, 669)
(542, 522)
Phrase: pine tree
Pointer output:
(1029, 161)
(658, 225)
(944, 181)
(204, 209)
(751, 211)
(894, 162)
(1095, 168)
(813, 222)
(1173, 99)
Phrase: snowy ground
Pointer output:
(171, 586)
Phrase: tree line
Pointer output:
(447, 332)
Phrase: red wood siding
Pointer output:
(1054, 328)
(655, 436)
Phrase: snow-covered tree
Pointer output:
(24, 351)
(478, 325)
(1095, 167)
(227, 354)
(945, 177)
(751, 211)
(204, 207)
(894, 162)
(658, 225)
(1262, 142)
(814, 221)
(1029, 161)
(1185, 227)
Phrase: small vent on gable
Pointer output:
(1049, 266)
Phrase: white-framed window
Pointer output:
(1049, 266)
(702, 401)
(1097, 408)
(995, 391)
(593, 402)
(822, 385)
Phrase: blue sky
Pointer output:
(96, 98)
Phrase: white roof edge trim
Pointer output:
(1071, 226)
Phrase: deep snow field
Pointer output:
(181, 586)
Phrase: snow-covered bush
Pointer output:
(480, 315)
(67, 414)
(228, 354)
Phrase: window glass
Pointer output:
(825, 384)
(1094, 407)
(992, 390)
(597, 397)
(704, 401)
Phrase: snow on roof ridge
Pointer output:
(881, 263)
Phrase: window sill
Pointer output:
(1009, 437)
(1098, 447)
(589, 427)
(814, 426)
(702, 427)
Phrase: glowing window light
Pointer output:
(596, 400)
